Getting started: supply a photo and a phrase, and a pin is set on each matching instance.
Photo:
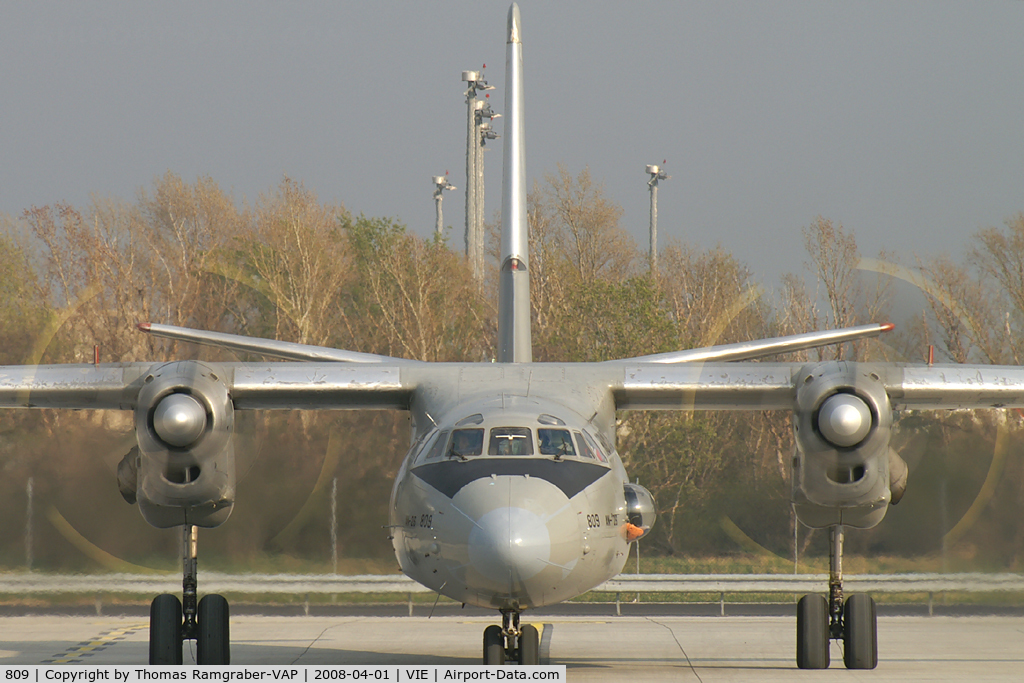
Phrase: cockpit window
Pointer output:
(597, 451)
(437, 448)
(510, 441)
(555, 442)
(602, 441)
(424, 437)
(467, 442)
(585, 450)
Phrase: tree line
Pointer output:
(288, 266)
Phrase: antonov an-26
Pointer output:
(513, 496)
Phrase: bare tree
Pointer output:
(711, 296)
(417, 297)
(585, 224)
(851, 297)
(297, 256)
(1000, 256)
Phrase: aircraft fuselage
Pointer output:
(509, 499)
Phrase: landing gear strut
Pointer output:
(172, 621)
(819, 620)
(510, 642)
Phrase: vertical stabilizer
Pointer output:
(514, 341)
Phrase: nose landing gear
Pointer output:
(172, 621)
(854, 621)
(509, 642)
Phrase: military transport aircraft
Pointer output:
(513, 495)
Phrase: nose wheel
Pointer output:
(853, 620)
(173, 621)
(510, 643)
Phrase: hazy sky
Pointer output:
(902, 120)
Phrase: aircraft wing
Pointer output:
(637, 386)
(100, 387)
(320, 385)
(947, 387)
(182, 468)
(706, 386)
(773, 386)
(328, 385)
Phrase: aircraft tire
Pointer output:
(213, 644)
(860, 632)
(165, 621)
(494, 646)
(529, 646)
(812, 636)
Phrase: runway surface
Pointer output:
(627, 648)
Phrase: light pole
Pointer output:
(29, 509)
(474, 82)
(484, 115)
(656, 174)
(440, 185)
(334, 525)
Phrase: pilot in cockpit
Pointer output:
(466, 442)
(555, 442)
(510, 441)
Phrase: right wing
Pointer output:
(249, 386)
(183, 468)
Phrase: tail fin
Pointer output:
(514, 340)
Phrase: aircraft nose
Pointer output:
(509, 543)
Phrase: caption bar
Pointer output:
(284, 674)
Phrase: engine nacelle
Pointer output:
(842, 424)
(184, 423)
(640, 511)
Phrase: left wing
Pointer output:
(705, 386)
(845, 472)
(773, 386)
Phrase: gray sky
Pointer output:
(902, 120)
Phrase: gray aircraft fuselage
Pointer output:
(511, 498)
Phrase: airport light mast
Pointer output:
(484, 115)
(440, 185)
(475, 82)
(656, 174)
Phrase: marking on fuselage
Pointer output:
(569, 476)
(457, 509)
(563, 568)
(548, 518)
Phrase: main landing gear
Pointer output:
(172, 621)
(819, 620)
(509, 642)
